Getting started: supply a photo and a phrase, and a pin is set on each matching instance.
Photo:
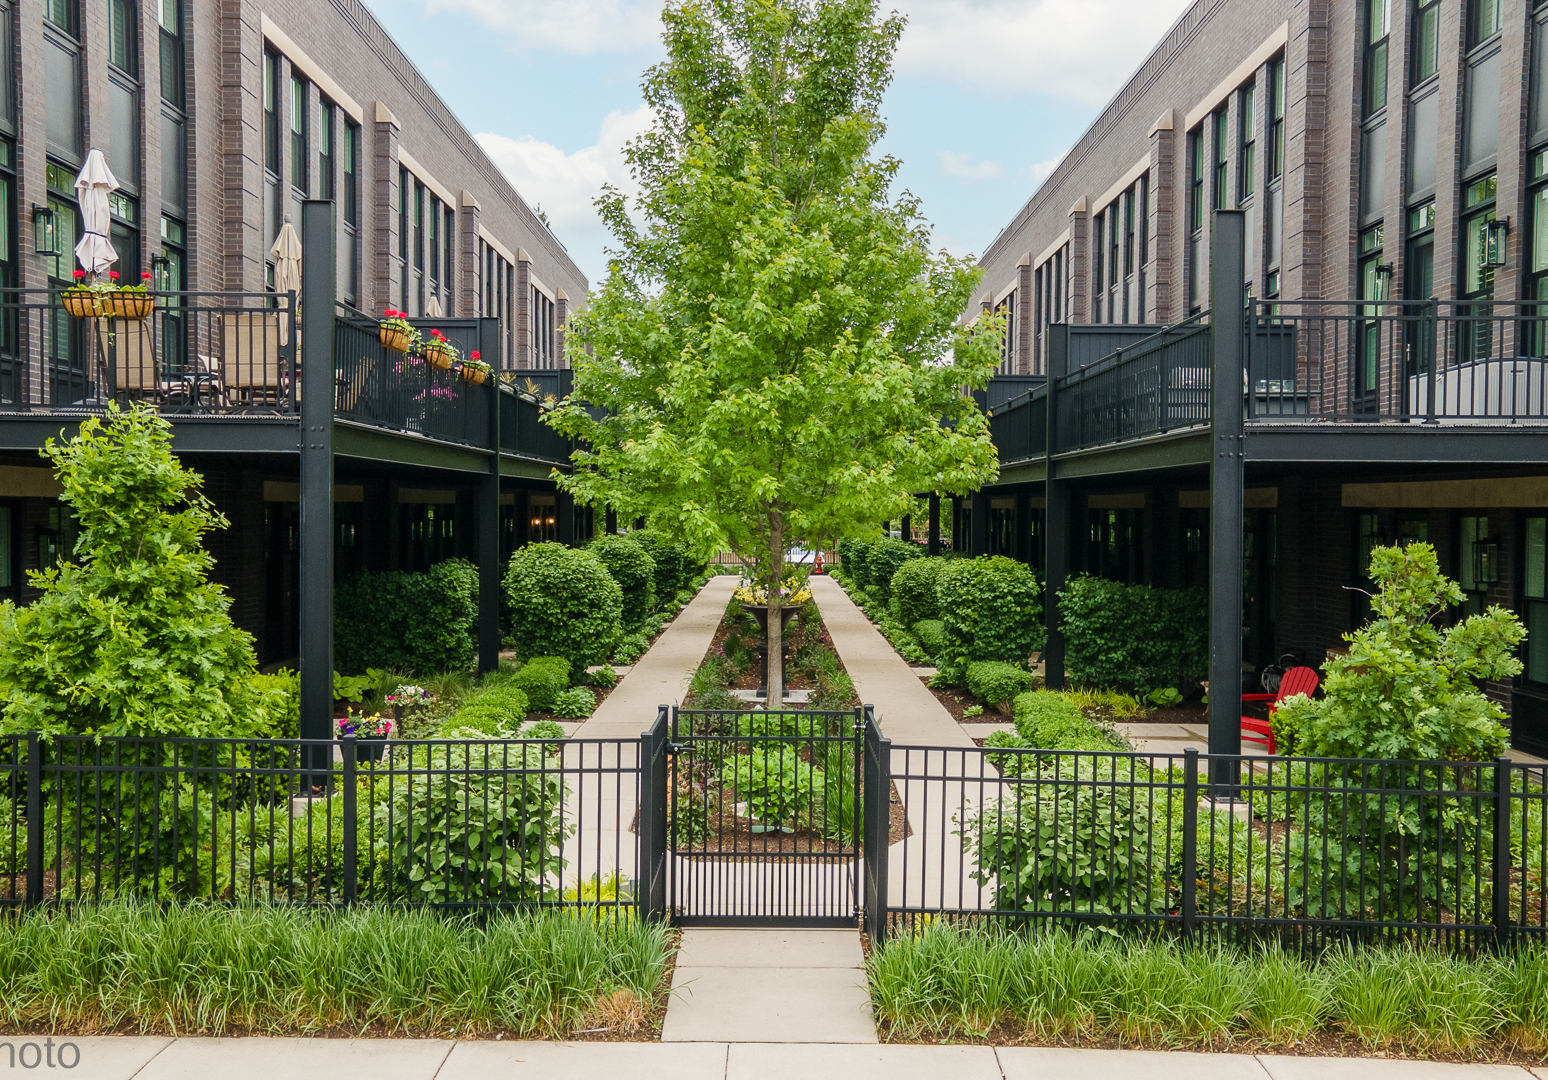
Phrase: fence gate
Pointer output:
(762, 818)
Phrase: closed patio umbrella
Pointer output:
(95, 251)
(287, 260)
(433, 308)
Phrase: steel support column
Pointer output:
(488, 518)
(1056, 522)
(316, 542)
(979, 523)
(565, 511)
(1227, 265)
(933, 537)
(907, 529)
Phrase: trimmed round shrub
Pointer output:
(633, 569)
(417, 624)
(494, 712)
(913, 590)
(992, 611)
(884, 559)
(673, 573)
(563, 602)
(932, 636)
(543, 679)
(994, 681)
(576, 703)
(1133, 637)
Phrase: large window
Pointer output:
(1476, 334)
(352, 212)
(272, 212)
(1274, 204)
(1247, 173)
(1195, 218)
(300, 126)
(1378, 21)
(1477, 562)
(1426, 40)
(1006, 307)
(1374, 278)
(169, 16)
(1220, 131)
(325, 185)
(1535, 598)
(121, 36)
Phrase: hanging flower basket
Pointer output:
(395, 332)
(474, 370)
(128, 304)
(81, 302)
(438, 354)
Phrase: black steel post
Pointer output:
(34, 818)
(351, 755)
(878, 796)
(908, 527)
(979, 522)
(318, 278)
(1056, 517)
(610, 522)
(489, 516)
(1500, 915)
(565, 508)
(1227, 266)
(1190, 844)
(653, 780)
(933, 537)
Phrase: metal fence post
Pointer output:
(878, 800)
(34, 819)
(1434, 365)
(351, 753)
(1501, 860)
(1190, 851)
(651, 780)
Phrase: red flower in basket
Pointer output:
(474, 354)
(113, 274)
(145, 275)
(79, 274)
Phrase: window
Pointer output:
(325, 151)
(1378, 21)
(403, 238)
(7, 71)
(352, 212)
(121, 36)
(1276, 81)
(419, 247)
(64, 15)
(1195, 217)
(123, 130)
(271, 149)
(1220, 132)
(1418, 285)
(1373, 170)
(169, 15)
(1477, 562)
(1483, 21)
(1535, 598)
(1006, 307)
(1426, 40)
(1143, 213)
(1246, 176)
(171, 275)
(1481, 124)
(435, 242)
(62, 95)
(1537, 255)
(1476, 333)
(448, 233)
(1099, 255)
(300, 125)
(1373, 281)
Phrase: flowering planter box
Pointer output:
(128, 305)
(474, 375)
(82, 303)
(438, 355)
(394, 338)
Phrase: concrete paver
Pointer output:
(1046, 1063)
(1307, 1068)
(92, 1057)
(717, 1004)
(264, 1059)
(770, 948)
(764, 1061)
(584, 1061)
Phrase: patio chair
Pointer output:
(252, 368)
(1298, 680)
(354, 392)
(126, 348)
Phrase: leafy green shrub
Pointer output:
(1049, 720)
(634, 570)
(476, 825)
(576, 703)
(672, 570)
(853, 555)
(1077, 845)
(883, 561)
(913, 590)
(280, 694)
(543, 678)
(993, 681)
(13, 858)
(1165, 698)
(411, 623)
(1133, 636)
(132, 638)
(563, 601)
(931, 634)
(493, 712)
(991, 610)
(778, 787)
(544, 729)
(604, 678)
(630, 648)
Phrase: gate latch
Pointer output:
(679, 748)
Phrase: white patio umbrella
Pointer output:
(287, 260)
(95, 251)
(433, 308)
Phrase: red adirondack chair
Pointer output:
(1298, 680)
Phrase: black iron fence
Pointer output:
(387, 389)
(185, 352)
(1311, 850)
(450, 823)
(1158, 384)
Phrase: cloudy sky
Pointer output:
(988, 96)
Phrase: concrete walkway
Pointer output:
(788, 986)
(129, 1058)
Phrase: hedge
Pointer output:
(543, 679)
(418, 624)
(497, 711)
(883, 561)
(633, 569)
(992, 611)
(913, 590)
(563, 602)
(1134, 637)
(673, 572)
(994, 681)
(932, 636)
(852, 560)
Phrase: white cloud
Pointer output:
(583, 27)
(959, 165)
(1080, 49)
(565, 185)
(1042, 170)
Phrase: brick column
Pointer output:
(1080, 258)
(561, 313)
(1023, 359)
(1164, 184)
(383, 275)
(523, 335)
(466, 280)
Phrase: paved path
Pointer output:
(128, 1058)
(789, 986)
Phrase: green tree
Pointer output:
(133, 638)
(775, 351)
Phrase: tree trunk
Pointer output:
(776, 635)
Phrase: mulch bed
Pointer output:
(751, 678)
(957, 701)
(600, 692)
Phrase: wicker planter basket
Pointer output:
(128, 305)
(474, 375)
(394, 338)
(438, 355)
(82, 303)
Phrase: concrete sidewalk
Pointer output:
(128, 1058)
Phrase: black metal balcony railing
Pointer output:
(1157, 385)
(212, 353)
(387, 389)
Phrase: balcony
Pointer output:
(229, 362)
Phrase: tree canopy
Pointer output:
(775, 354)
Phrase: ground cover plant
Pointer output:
(955, 982)
(198, 970)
